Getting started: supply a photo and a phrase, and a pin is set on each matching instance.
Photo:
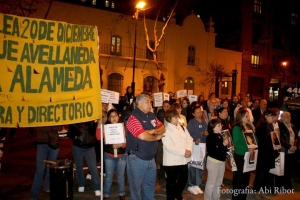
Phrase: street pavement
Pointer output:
(18, 168)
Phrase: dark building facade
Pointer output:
(267, 33)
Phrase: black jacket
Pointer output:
(266, 153)
(215, 147)
(256, 115)
(285, 136)
(83, 134)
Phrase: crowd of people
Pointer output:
(164, 138)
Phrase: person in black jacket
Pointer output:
(216, 151)
(83, 136)
(289, 140)
(266, 153)
(258, 111)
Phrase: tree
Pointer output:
(22, 7)
(212, 75)
(157, 40)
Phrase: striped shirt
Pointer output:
(135, 127)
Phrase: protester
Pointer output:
(160, 116)
(258, 111)
(232, 105)
(244, 103)
(182, 118)
(240, 180)
(47, 149)
(266, 153)
(84, 139)
(289, 140)
(143, 131)
(186, 109)
(178, 146)
(114, 161)
(197, 129)
(210, 111)
(216, 156)
(128, 97)
(223, 116)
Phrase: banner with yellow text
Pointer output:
(49, 72)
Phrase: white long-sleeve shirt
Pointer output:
(176, 140)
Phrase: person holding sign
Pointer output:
(289, 140)
(178, 145)
(115, 158)
(143, 132)
(266, 153)
(240, 180)
(216, 156)
(83, 136)
(197, 128)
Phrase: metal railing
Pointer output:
(128, 52)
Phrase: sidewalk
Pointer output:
(18, 168)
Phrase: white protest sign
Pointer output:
(109, 96)
(166, 97)
(114, 133)
(114, 97)
(105, 95)
(181, 93)
(158, 99)
(192, 98)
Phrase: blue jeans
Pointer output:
(90, 157)
(141, 177)
(110, 164)
(195, 176)
(44, 152)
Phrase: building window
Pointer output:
(150, 84)
(113, 5)
(257, 7)
(225, 88)
(255, 60)
(257, 33)
(116, 44)
(94, 2)
(191, 55)
(115, 82)
(294, 19)
(189, 84)
(149, 54)
(106, 4)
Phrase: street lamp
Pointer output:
(284, 64)
(138, 7)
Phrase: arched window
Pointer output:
(116, 45)
(115, 82)
(150, 84)
(189, 84)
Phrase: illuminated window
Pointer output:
(257, 6)
(112, 4)
(115, 82)
(225, 88)
(94, 2)
(191, 55)
(255, 60)
(294, 19)
(116, 45)
(189, 83)
(106, 4)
